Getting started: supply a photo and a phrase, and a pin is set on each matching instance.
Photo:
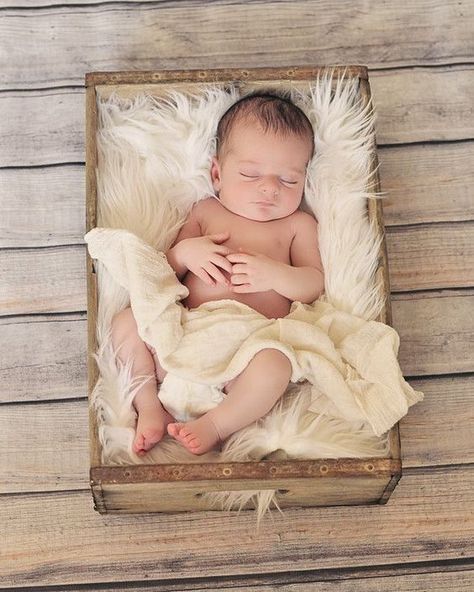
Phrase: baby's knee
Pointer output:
(123, 327)
(274, 361)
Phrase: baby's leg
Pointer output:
(250, 396)
(152, 417)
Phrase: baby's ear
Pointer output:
(215, 174)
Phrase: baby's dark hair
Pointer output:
(272, 110)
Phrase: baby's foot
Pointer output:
(198, 436)
(151, 427)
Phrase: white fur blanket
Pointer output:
(351, 362)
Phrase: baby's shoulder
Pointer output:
(202, 207)
(304, 222)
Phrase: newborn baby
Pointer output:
(251, 243)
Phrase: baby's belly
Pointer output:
(270, 304)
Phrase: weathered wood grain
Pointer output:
(424, 183)
(431, 256)
(61, 44)
(348, 580)
(429, 517)
(427, 183)
(45, 447)
(43, 358)
(47, 127)
(42, 206)
(436, 332)
(42, 127)
(440, 429)
(52, 279)
(419, 102)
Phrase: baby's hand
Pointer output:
(253, 272)
(204, 255)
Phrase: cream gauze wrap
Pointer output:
(350, 362)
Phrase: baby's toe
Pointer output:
(151, 437)
(174, 429)
(138, 444)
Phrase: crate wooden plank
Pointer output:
(429, 517)
(60, 44)
(427, 183)
(424, 183)
(43, 357)
(42, 206)
(47, 127)
(431, 256)
(436, 332)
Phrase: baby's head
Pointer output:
(264, 143)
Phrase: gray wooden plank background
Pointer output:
(421, 60)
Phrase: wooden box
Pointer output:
(171, 487)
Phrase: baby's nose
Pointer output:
(270, 186)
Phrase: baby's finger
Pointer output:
(214, 272)
(243, 289)
(239, 278)
(205, 277)
(240, 268)
(219, 237)
(238, 258)
(221, 262)
(221, 250)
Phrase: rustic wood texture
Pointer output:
(460, 579)
(61, 44)
(427, 183)
(425, 520)
(422, 76)
(55, 350)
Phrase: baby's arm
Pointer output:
(202, 255)
(303, 280)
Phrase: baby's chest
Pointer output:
(270, 238)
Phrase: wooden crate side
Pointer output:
(190, 497)
(91, 222)
(162, 488)
(111, 490)
(222, 74)
(375, 215)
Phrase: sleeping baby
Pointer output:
(250, 242)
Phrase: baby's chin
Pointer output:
(260, 214)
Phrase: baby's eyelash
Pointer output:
(256, 177)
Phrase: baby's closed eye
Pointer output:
(257, 176)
